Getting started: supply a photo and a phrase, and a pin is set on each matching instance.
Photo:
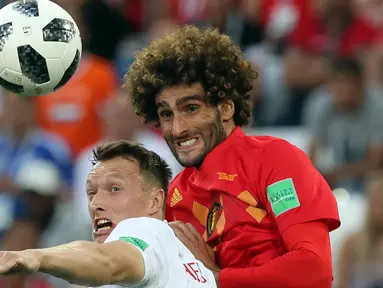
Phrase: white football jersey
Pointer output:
(168, 263)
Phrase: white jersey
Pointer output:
(168, 263)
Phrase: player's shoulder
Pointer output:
(146, 225)
(145, 232)
(258, 142)
(255, 146)
(184, 175)
(256, 150)
(142, 221)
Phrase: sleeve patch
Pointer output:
(141, 244)
(282, 196)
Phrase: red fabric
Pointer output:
(134, 11)
(269, 5)
(311, 36)
(226, 199)
(379, 38)
(186, 11)
(31, 282)
(308, 264)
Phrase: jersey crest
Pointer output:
(212, 218)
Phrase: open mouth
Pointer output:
(102, 224)
(187, 143)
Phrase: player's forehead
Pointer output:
(174, 95)
(117, 168)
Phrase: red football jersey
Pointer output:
(247, 192)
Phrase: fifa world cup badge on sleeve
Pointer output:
(141, 244)
(282, 196)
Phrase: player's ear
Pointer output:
(156, 202)
(227, 110)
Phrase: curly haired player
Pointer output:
(257, 201)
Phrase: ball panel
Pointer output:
(12, 76)
(29, 8)
(59, 30)
(5, 30)
(33, 65)
(70, 70)
(40, 47)
(17, 89)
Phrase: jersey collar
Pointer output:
(216, 152)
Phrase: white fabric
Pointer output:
(167, 260)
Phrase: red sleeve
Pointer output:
(307, 264)
(292, 189)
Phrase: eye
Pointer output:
(115, 189)
(165, 114)
(91, 194)
(192, 108)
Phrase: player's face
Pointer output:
(191, 126)
(115, 193)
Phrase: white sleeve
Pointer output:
(154, 239)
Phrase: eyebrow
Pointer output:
(111, 174)
(181, 101)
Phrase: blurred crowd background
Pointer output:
(320, 65)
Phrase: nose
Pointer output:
(179, 125)
(98, 202)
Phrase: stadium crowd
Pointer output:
(320, 86)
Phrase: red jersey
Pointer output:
(311, 36)
(247, 192)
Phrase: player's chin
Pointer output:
(100, 236)
(191, 159)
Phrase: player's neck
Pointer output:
(160, 215)
(229, 127)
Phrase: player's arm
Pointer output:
(81, 262)
(307, 264)
(305, 210)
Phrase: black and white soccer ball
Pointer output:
(40, 47)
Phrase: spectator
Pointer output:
(267, 27)
(34, 167)
(270, 20)
(361, 259)
(345, 117)
(74, 110)
(371, 11)
(327, 30)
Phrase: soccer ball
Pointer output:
(40, 47)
